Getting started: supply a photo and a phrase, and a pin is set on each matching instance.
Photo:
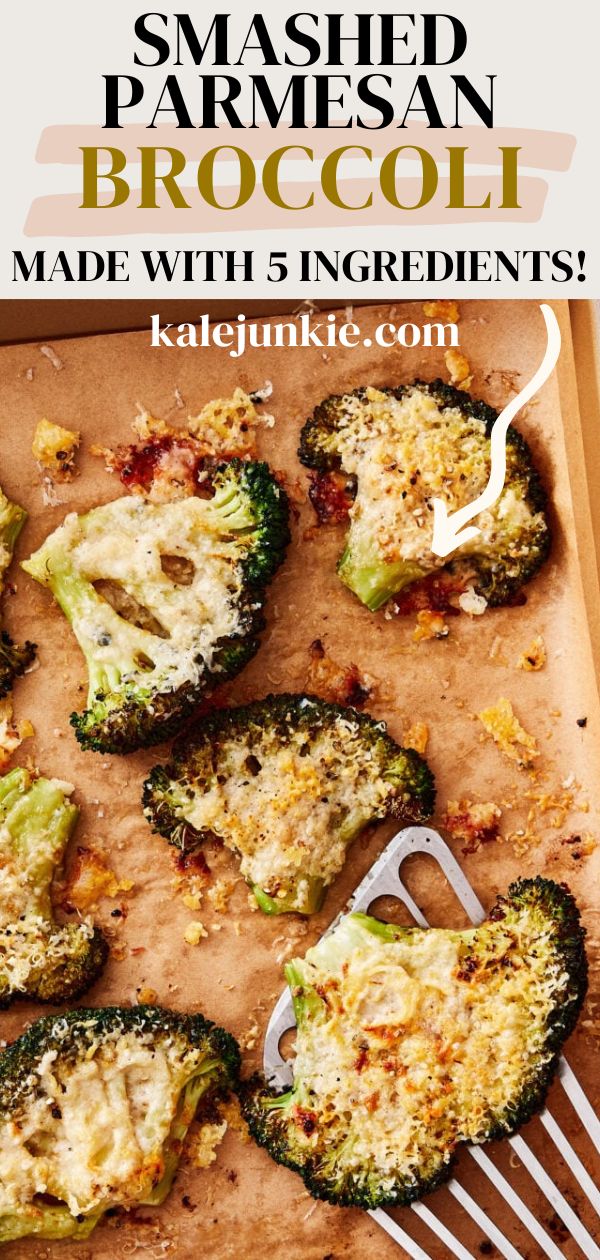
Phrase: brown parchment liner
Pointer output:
(244, 1205)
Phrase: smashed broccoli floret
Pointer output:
(287, 783)
(412, 1041)
(94, 1108)
(183, 609)
(14, 658)
(40, 958)
(402, 447)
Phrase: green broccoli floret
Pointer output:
(287, 783)
(412, 1041)
(405, 446)
(94, 1108)
(14, 659)
(194, 622)
(40, 958)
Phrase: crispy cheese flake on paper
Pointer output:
(192, 900)
(202, 1145)
(416, 736)
(12, 733)
(430, 625)
(90, 879)
(459, 369)
(472, 823)
(472, 603)
(535, 656)
(503, 725)
(55, 449)
(442, 309)
(146, 996)
(220, 893)
(194, 932)
(340, 684)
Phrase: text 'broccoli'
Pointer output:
(401, 448)
(287, 783)
(39, 958)
(94, 1108)
(186, 583)
(411, 1041)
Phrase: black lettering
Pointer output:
(152, 39)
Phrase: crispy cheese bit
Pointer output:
(12, 734)
(55, 449)
(443, 309)
(202, 1148)
(146, 996)
(340, 684)
(430, 625)
(501, 723)
(459, 369)
(472, 824)
(472, 603)
(227, 426)
(191, 900)
(147, 426)
(194, 932)
(535, 656)
(416, 736)
(90, 879)
(220, 893)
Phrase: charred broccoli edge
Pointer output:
(135, 724)
(70, 979)
(276, 710)
(569, 946)
(50, 1033)
(15, 658)
(497, 592)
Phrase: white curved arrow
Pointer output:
(448, 532)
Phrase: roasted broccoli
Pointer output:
(187, 580)
(411, 1041)
(14, 659)
(39, 958)
(402, 447)
(287, 783)
(94, 1108)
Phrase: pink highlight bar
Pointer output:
(61, 215)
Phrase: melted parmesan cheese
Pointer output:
(95, 1132)
(413, 1048)
(291, 809)
(123, 542)
(406, 451)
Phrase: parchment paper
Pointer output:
(244, 1205)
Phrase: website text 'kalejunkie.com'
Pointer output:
(305, 329)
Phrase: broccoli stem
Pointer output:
(374, 581)
(52, 1221)
(186, 1110)
(233, 509)
(12, 520)
(40, 811)
(309, 903)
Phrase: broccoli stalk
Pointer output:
(412, 1041)
(14, 658)
(287, 783)
(39, 958)
(138, 1118)
(148, 669)
(363, 571)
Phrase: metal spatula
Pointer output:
(384, 880)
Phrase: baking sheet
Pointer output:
(243, 1203)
